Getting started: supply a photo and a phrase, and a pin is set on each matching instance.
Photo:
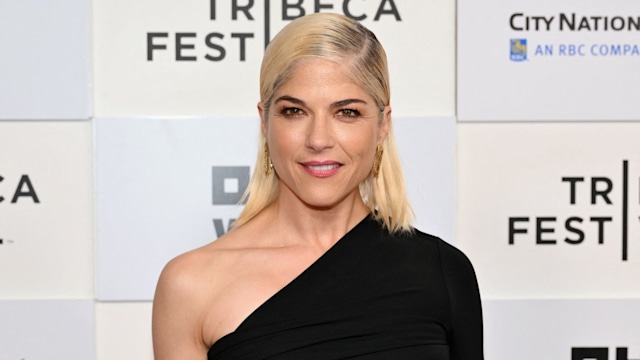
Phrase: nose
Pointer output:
(319, 133)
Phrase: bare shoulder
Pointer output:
(201, 269)
(194, 275)
(195, 294)
(184, 294)
(195, 266)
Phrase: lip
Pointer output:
(321, 169)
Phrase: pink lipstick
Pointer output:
(321, 169)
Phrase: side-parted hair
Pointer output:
(343, 40)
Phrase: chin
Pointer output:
(324, 203)
(324, 197)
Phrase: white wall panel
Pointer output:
(565, 242)
(123, 331)
(427, 154)
(558, 329)
(46, 243)
(203, 62)
(47, 330)
(45, 67)
(155, 193)
(582, 60)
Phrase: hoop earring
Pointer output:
(268, 165)
(377, 160)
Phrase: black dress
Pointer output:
(371, 296)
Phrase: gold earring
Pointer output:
(377, 160)
(268, 165)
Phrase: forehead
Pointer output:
(318, 75)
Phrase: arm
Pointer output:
(466, 311)
(177, 312)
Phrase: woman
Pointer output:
(323, 262)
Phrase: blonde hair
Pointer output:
(337, 38)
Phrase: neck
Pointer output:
(301, 224)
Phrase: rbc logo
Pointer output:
(518, 49)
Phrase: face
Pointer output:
(322, 130)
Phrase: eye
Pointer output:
(291, 112)
(349, 113)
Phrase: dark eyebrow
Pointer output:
(336, 104)
(290, 99)
(346, 102)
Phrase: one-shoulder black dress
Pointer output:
(371, 296)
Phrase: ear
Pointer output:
(263, 117)
(383, 129)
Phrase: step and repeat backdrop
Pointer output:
(129, 130)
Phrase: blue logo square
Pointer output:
(518, 50)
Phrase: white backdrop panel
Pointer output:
(45, 67)
(582, 60)
(46, 245)
(546, 210)
(123, 331)
(164, 58)
(46, 330)
(556, 329)
(427, 153)
(157, 181)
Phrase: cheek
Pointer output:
(282, 141)
(361, 142)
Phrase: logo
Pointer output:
(518, 49)
(228, 185)
(584, 50)
(624, 28)
(215, 45)
(23, 189)
(600, 353)
(573, 22)
(599, 192)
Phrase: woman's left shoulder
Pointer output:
(417, 238)
(449, 254)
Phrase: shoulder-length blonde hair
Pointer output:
(337, 38)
